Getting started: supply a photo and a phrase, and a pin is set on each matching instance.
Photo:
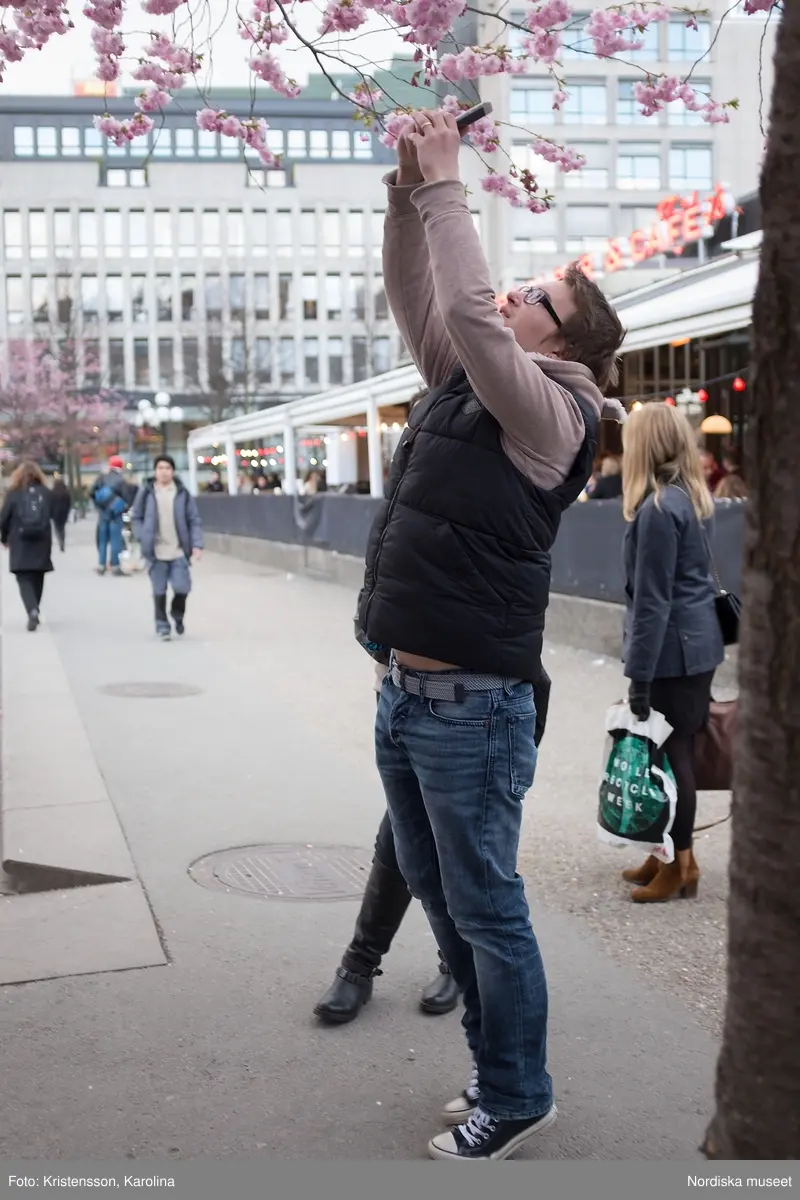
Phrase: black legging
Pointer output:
(684, 702)
(31, 586)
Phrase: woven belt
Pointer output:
(451, 685)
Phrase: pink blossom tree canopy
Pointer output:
(171, 59)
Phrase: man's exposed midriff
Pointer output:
(415, 663)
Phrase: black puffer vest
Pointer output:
(458, 559)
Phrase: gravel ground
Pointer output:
(680, 944)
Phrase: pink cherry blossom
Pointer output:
(395, 125)
(268, 69)
(120, 132)
(559, 98)
(341, 16)
(754, 6)
(162, 8)
(565, 157)
(501, 185)
(549, 14)
(430, 20)
(543, 47)
(152, 100)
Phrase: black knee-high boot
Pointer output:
(386, 899)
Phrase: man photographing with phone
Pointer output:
(456, 587)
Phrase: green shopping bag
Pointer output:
(637, 791)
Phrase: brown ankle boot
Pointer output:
(644, 874)
(678, 878)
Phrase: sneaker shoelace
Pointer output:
(478, 1128)
(472, 1091)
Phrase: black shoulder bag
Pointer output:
(728, 606)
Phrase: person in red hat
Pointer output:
(110, 499)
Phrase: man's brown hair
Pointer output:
(593, 334)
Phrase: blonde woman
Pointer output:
(672, 639)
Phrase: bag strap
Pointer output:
(720, 589)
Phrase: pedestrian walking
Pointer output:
(673, 642)
(60, 508)
(26, 531)
(455, 593)
(167, 526)
(110, 496)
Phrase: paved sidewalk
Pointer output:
(217, 1053)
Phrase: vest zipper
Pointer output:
(389, 511)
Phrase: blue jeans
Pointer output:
(455, 775)
(176, 573)
(109, 534)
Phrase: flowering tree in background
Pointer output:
(176, 51)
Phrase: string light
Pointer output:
(702, 396)
(738, 384)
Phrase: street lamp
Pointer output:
(158, 415)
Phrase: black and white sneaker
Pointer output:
(180, 628)
(455, 1112)
(487, 1139)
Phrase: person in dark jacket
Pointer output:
(167, 526)
(25, 530)
(609, 484)
(60, 508)
(110, 496)
(673, 642)
(455, 592)
(215, 486)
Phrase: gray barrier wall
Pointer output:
(587, 556)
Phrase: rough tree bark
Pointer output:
(758, 1075)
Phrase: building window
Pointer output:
(15, 300)
(686, 44)
(649, 51)
(238, 360)
(595, 173)
(207, 144)
(91, 362)
(318, 143)
(588, 226)
(213, 291)
(71, 142)
(62, 227)
(287, 363)
(380, 303)
(362, 144)
(37, 233)
(376, 230)
(357, 305)
(340, 144)
(297, 143)
(627, 106)
(381, 355)
(163, 297)
(141, 362)
(39, 300)
(237, 297)
(524, 159)
(23, 141)
(276, 141)
(267, 177)
(632, 219)
(186, 237)
(46, 142)
(355, 233)
(263, 360)
(64, 299)
(308, 232)
(261, 298)
(139, 299)
(87, 233)
(116, 362)
(12, 233)
(112, 233)
(333, 297)
(115, 298)
(638, 166)
(690, 167)
(259, 232)
(211, 233)
(360, 363)
(577, 44)
(532, 103)
(92, 142)
(310, 297)
(191, 363)
(162, 142)
(286, 297)
(235, 231)
(335, 361)
(162, 230)
(679, 114)
(332, 233)
(137, 234)
(166, 363)
(126, 177)
(283, 233)
(586, 104)
(311, 360)
(534, 232)
(184, 143)
(89, 297)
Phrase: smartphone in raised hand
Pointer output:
(471, 115)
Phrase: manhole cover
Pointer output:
(150, 691)
(286, 872)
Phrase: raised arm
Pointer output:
(407, 274)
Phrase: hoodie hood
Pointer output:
(578, 378)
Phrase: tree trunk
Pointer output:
(758, 1075)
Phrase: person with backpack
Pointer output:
(167, 526)
(110, 499)
(25, 530)
(60, 508)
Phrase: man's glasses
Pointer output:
(535, 295)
